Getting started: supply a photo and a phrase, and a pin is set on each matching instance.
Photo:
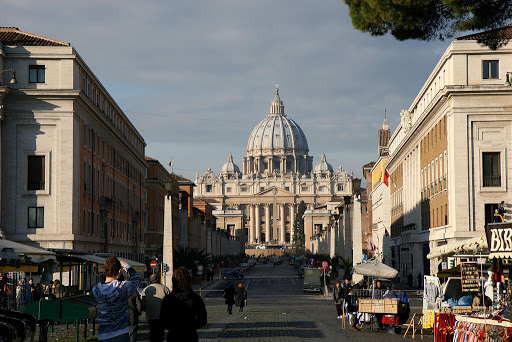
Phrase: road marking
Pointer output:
(293, 281)
(268, 283)
(247, 284)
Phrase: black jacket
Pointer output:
(337, 294)
(346, 290)
(229, 295)
(183, 312)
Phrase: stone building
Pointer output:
(259, 202)
(448, 159)
(72, 164)
(381, 216)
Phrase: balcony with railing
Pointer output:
(35, 186)
(492, 181)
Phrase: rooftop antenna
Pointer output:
(385, 113)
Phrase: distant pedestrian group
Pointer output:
(180, 311)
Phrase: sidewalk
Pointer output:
(205, 287)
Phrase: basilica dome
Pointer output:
(277, 133)
(323, 165)
(230, 167)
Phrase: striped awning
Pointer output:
(473, 245)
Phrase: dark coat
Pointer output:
(346, 290)
(183, 312)
(135, 305)
(240, 297)
(229, 295)
(337, 295)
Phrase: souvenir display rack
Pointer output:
(469, 275)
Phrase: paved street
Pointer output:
(277, 310)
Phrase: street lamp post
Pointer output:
(13, 79)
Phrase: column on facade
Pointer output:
(282, 238)
(257, 222)
(252, 230)
(292, 221)
(267, 223)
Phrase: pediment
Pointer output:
(270, 192)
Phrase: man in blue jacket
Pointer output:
(112, 296)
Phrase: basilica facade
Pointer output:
(259, 202)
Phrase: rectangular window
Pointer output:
(36, 217)
(36, 173)
(228, 189)
(489, 69)
(304, 188)
(244, 189)
(491, 169)
(92, 222)
(489, 210)
(340, 187)
(36, 73)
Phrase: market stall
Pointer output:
(480, 309)
(384, 306)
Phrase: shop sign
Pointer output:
(499, 239)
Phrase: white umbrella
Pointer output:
(375, 269)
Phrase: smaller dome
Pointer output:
(323, 165)
(230, 167)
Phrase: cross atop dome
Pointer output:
(277, 107)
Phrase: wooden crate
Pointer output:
(390, 306)
(365, 305)
(378, 306)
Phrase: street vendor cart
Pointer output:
(390, 307)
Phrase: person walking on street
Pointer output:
(183, 311)
(337, 294)
(112, 296)
(240, 297)
(151, 298)
(135, 305)
(229, 295)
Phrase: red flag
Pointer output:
(386, 177)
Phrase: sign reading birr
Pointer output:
(499, 239)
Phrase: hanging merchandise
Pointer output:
(479, 332)
(443, 327)
(498, 271)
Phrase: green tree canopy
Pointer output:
(431, 19)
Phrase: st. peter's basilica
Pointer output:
(259, 203)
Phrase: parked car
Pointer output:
(231, 273)
(244, 266)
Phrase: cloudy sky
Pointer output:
(195, 77)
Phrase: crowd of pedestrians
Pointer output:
(24, 292)
(180, 311)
